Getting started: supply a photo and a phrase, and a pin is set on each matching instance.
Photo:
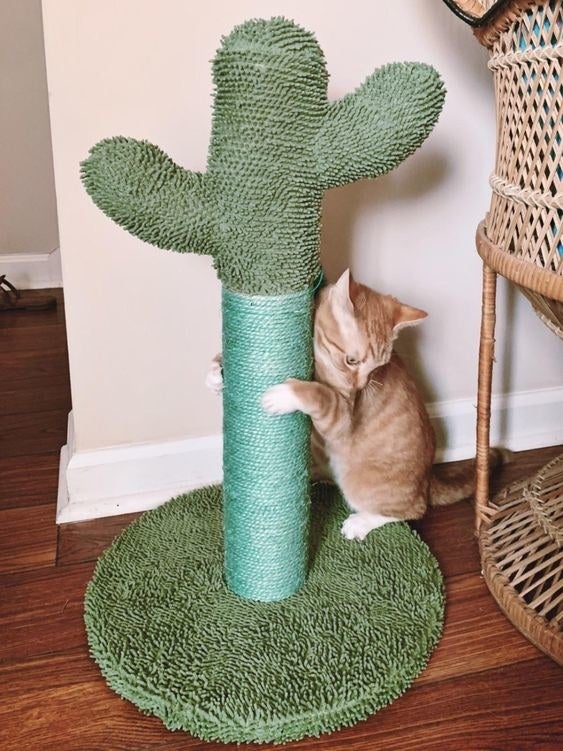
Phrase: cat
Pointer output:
(371, 432)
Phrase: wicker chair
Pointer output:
(521, 529)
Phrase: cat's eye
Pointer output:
(351, 360)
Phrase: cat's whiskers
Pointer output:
(373, 382)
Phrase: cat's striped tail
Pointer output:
(449, 484)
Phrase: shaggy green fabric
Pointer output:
(277, 143)
(171, 638)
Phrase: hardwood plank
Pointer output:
(29, 480)
(86, 541)
(26, 364)
(523, 464)
(35, 393)
(41, 611)
(33, 338)
(477, 635)
(54, 670)
(449, 534)
(63, 696)
(18, 319)
(35, 433)
(514, 708)
(28, 539)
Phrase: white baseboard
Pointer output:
(137, 477)
(32, 270)
(519, 421)
(134, 477)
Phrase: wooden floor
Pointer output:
(486, 687)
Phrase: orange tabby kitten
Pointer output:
(372, 433)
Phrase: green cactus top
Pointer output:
(277, 143)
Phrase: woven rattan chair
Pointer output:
(521, 529)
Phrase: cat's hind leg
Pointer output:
(359, 524)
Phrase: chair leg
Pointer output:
(486, 358)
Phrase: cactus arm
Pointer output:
(371, 130)
(143, 190)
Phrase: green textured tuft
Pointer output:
(371, 131)
(171, 638)
(276, 145)
(271, 36)
(270, 97)
(145, 192)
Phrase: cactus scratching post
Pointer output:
(277, 144)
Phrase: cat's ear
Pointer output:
(341, 292)
(346, 291)
(406, 315)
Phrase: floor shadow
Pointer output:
(324, 499)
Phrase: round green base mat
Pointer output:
(171, 638)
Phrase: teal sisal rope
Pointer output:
(266, 459)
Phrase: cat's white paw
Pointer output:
(214, 377)
(280, 400)
(358, 526)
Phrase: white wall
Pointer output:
(143, 323)
(28, 218)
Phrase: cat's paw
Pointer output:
(280, 400)
(214, 377)
(357, 527)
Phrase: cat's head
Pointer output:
(355, 328)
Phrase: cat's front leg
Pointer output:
(283, 398)
(325, 407)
